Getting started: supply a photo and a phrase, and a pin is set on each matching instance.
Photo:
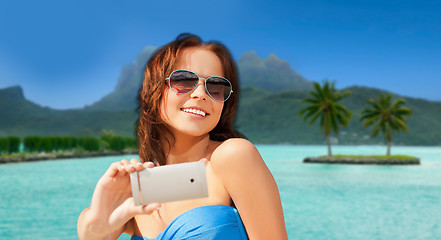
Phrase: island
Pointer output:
(31, 157)
(360, 159)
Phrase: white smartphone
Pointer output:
(169, 183)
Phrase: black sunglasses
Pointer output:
(184, 81)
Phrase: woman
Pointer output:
(188, 101)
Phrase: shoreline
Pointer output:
(361, 160)
(64, 155)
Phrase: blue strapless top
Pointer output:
(207, 222)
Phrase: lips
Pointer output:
(195, 111)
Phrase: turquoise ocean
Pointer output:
(42, 200)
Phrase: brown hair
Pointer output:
(151, 129)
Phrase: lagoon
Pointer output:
(42, 200)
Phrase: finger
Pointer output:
(134, 161)
(125, 162)
(148, 209)
(133, 210)
(205, 161)
(123, 167)
(128, 166)
(113, 169)
(138, 166)
(148, 165)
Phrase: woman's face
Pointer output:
(179, 110)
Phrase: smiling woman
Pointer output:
(188, 102)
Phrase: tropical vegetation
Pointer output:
(264, 117)
(398, 157)
(271, 91)
(323, 104)
(9, 145)
(54, 144)
(387, 116)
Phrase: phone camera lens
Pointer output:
(192, 180)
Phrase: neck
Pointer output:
(188, 149)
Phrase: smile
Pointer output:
(195, 111)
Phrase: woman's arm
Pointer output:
(85, 228)
(251, 187)
(112, 204)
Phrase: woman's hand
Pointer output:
(112, 203)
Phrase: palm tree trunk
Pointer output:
(389, 143)
(328, 140)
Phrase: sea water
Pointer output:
(42, 200)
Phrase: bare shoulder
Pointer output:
(232, 149)
(236, 154)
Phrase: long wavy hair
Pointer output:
(151, 129)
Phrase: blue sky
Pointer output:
(66, 54)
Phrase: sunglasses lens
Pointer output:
(218, 88)
(183, 81)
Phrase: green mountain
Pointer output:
(272, 74)
(267, 116)
(273, 118)
(20, 117)
(129, 81)
(264, 117)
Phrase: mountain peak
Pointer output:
(276, 62)
(273, 57)
(250, 55)
(272, 74)
(13, 92)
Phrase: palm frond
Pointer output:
(377, 129)
(322, 104)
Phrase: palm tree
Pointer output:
(323, 104)
(388, 117)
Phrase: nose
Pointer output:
(199, 91)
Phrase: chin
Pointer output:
(196, 133)
(195, 130)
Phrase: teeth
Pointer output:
(194, 111)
